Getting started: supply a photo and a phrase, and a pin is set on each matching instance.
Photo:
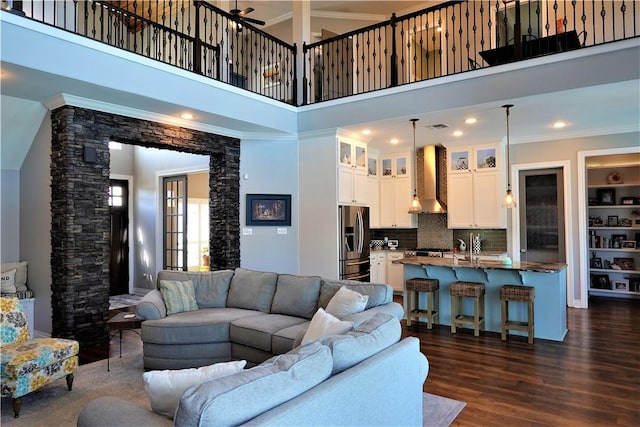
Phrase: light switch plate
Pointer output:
(247, 231)
(282, 230)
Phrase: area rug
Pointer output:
(54, 405)
(438, 411)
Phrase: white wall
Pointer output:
(9, 215)
(271, 167)
(35, 223)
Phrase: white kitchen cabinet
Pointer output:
(373, 191)
(475, 187)
(396, 192)
(395, 272)
(352, 172)
(378, 267)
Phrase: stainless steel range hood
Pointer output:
(432, 178)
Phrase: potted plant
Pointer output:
(205, 256)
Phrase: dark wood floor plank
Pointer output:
(591, 378)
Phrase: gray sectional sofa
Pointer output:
(366, 377)
(243, 315)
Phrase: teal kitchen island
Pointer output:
(549, 281)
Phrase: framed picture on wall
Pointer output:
(268, 209)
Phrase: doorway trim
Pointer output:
(565, 165)
(582, 212)
(130, 226)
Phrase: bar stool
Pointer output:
(516, 293)
(459, 290)
(430, 287)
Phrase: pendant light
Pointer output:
(416, 206)
(509, 199)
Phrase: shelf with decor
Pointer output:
(614, 229)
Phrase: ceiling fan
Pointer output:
(241, 14)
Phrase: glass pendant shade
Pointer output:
(416, 206)
(509, 200)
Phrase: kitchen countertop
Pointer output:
(539, 267)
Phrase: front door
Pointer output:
(542, 215)
(119, 214)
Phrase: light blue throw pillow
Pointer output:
(178, 296)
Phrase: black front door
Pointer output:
(119, 213)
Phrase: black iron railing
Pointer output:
(450, 38)
(189, 34)
(458, 36)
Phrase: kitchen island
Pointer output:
(548, 279)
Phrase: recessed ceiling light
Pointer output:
(559, 125)
(366, 131)
(394, 140)
(186, 116)
(458, 133)
(470, 120)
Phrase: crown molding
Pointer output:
(63, 99)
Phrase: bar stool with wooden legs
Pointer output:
(430, 287)
(517, 293)
(460, 290)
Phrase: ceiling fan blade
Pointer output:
(254, 21)
(245, 11)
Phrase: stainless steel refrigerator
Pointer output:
(354, 243)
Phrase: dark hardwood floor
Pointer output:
(592, 378)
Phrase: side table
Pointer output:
(122, 321)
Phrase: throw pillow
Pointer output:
(21, 273)
(323, 324)
(8, 282)
(164, 388)
(346, 302)
(178, 296)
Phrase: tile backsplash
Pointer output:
(432, 232)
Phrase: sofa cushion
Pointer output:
(323, 324)
(373, 336)
(346, 302)
(285, 339)
(212, 289)
(164, 388)
(252, 290)
(178, 296)
(231, 400)
(257, 331)
(207, 325)
(21, 273)
(378, 293)
(296, 295)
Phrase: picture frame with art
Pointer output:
(268, 210)
(596, 262)
(606, 196)
(600, 281)
(624, 263)
(620, 285)
(628, 244)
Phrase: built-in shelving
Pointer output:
(614, 229)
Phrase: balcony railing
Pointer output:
(456, 37)
(189, 34)
(450, 38)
